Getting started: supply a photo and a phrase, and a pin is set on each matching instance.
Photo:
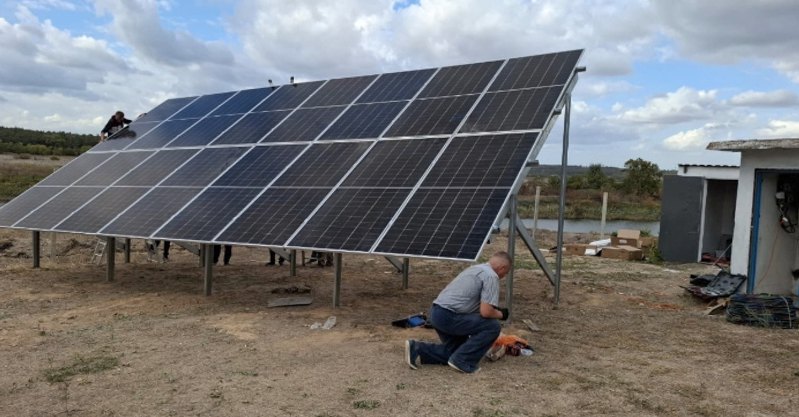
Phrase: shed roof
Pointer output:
(754, 144)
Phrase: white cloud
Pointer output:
(693, 139)
(727, 32)
(684, 105)
(778, 98)
(780, 129)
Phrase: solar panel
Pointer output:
(304, 124)
(413, 163)
(252, 127)
(364, 121)
(28, 201)
(204, 132)
(150, 212)
(76, 169)
(96, 213)
(62, 205)
(351, 219)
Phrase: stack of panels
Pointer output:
(415, 163)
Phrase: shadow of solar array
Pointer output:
(415, 163)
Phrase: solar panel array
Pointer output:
(415, 163)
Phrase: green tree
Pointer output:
(642, 178)
(595, 178)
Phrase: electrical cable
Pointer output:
(762, 310)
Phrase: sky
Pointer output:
(664, 77)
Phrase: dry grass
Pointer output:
(624, 341)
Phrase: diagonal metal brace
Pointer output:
(396, 262)
(280, 252)
(539, 257)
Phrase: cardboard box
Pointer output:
(627, 253)
(571, 249)
(625, 237)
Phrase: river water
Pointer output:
(587, 226)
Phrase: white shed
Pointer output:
(766, 235)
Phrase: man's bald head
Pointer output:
(500, 262)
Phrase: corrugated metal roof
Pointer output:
(708, 166)
(754, 144)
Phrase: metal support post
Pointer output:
(512, 252)
(562, 207)
(539, 257)
(110, 257)
(535, 209)
(406, 266)
(202, 255)
(293, 263)
(208, 257)
(36, 247)
(337, 282)
(394, 261)
(127, 250)
(52, 246)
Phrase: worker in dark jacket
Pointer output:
(114, 125)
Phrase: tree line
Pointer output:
(641, 178)
(34, 142)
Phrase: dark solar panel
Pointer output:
(162, 134)
(461, 79)
(435, 116)
(502, 158)
(447, 145)
(125, 137)
(165, 109)
(260, 166)
(19, 207)
(444, 223)
(396, 86)
(537, 71)
(351, 219)
(98, 212)
(274, 216)
(340, 91)
(149, 213)
(208, 214)
(76, 168)
(205, 131)
(304, 124)
(156, 168)
(204, 167)
(114, 168)
(243, 101)
(322, 165)
(513, 110)
(364, 121)
(252, 127)
(395, 163)
(202, 106)
(288, 96)
(54, 211)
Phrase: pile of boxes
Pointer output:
(625, 245)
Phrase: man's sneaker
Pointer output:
(455, 367)
(410, 354)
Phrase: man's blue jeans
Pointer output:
(465, 339)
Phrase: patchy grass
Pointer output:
(18, 177)
(366, 404)
(81, 365)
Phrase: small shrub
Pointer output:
(366, 404)
(81, 365)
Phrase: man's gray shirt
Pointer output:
(478, 283)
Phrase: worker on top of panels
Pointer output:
(465, 315)
(114, 125)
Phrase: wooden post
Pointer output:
(36, 247)
(293, 263)
(111, 257)
(604, 214)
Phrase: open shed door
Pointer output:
(681, 218)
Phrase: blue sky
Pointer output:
(664, 77)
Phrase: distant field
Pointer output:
(20, 172)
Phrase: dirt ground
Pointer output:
(624, 341)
